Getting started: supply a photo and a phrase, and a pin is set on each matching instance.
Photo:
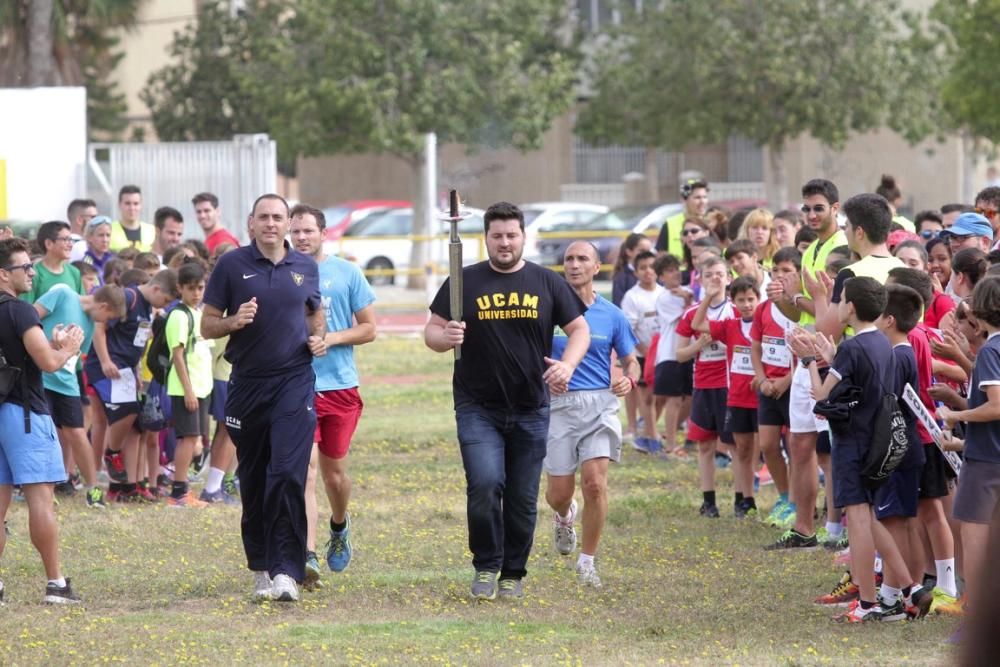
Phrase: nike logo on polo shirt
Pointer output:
(245, 276)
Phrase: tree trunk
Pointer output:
(652, 170)
(969, 159)
(419, 250)
(776, 183)
(40, 59)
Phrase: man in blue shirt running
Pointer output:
(265, 297)
(584, 430)
(347, 300)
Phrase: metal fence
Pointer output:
(170, 173)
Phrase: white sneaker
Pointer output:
(587, 575)
(565, 533)
(284, 589)
(262, 586)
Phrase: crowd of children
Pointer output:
(814, 348)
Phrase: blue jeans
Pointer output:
(502, 453)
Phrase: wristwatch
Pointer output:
(805, 361)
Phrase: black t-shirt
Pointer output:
(17, 317)
(133, 235)
(509, 324)
(906, 373)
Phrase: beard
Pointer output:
(508, 264)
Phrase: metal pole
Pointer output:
(455, 263)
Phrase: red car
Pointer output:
(340, 216)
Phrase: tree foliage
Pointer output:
(84, 51)
(682, 72)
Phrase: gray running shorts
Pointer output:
(583, 425)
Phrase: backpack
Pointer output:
(11, 376)
(159, 357)
(889, 439)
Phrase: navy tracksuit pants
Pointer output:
(272, 422)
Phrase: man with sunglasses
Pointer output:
(971, 230)
(29, 452)
(929, 224)
(988, 206)
(54, 268)
(694, 193)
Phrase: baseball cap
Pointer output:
(969, 224)
(898, 236)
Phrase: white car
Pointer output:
(379, 244)
(541, 215)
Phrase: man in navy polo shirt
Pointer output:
(269, 411)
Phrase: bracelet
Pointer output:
(805, 361)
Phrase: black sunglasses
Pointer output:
(818, 208)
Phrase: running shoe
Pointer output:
(312, 579)
(511, 589)
(284, 589)
(739, 511)
(787, 518)
(338, 549)
(484, 585)
(831, 543)
(911, 602)
(65, 489)
(889, 613)
(842, 557)
(857, 614)
(641, 445)
(793, 539)
(95, 498)
(723, 461)
(219, 496)
(564, 532)
(112, 495)
(774, 518)
(231, 485)
(764, 476)
(587, 575)
(845, 592)
(261, 585)
(709, 510)
(115, 464)
(60, 594)
(142, 494)
(939, 602)
(187, 500)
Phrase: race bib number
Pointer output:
(775, 352)
(142, 334)
(742, 365)
(715, 351)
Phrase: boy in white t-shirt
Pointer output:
(672, 385)
(639, 307)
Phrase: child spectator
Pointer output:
(744, 259)
(672, 385)
(639, 307)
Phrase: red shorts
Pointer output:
(337, 415)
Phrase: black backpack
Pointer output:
(159, 358)
(889, 439)
(12, 376)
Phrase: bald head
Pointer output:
(581, 263)
(583, 247)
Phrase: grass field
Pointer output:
(168, 587)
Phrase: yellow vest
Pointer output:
(675, 225)
(872, 267)
(905, 223)
(814, 259)
(147, 236)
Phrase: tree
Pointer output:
(769, 71)
(68, 43)
(340, 76)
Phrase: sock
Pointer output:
(179, 489)
(708, 497)
(867, 605)
(750, 503)
(58, 583)
(946, 576)
(783, 497)
(214, 482)
(338, 527)
(738, 498)
(889, 594)
(128, 488)
(930, 580)
(584, 559)
(906, 590)
(834, 529)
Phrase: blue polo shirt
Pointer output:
(345, 291)
(609, 330)
(126, 337)
(276, 341)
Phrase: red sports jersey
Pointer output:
(941, 305)
(769, 328)
(918, 339)
(710, 364)
(735, 333)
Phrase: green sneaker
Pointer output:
(832, 543)
(512, 589)
(787, 518)
(95, 499)
(230, 486)
(776, 514)
(792, 539)
(484, 585)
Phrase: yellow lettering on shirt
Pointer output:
(500, 306)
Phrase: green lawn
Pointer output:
(167, 587)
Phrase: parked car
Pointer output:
(379, 243)
(545, 214)
(606, 231)
(341, 216)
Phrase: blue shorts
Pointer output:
(847, 461)
(898, 496)
(28, 458)
(217, 406)
(114, 411)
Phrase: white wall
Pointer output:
(43, 140)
